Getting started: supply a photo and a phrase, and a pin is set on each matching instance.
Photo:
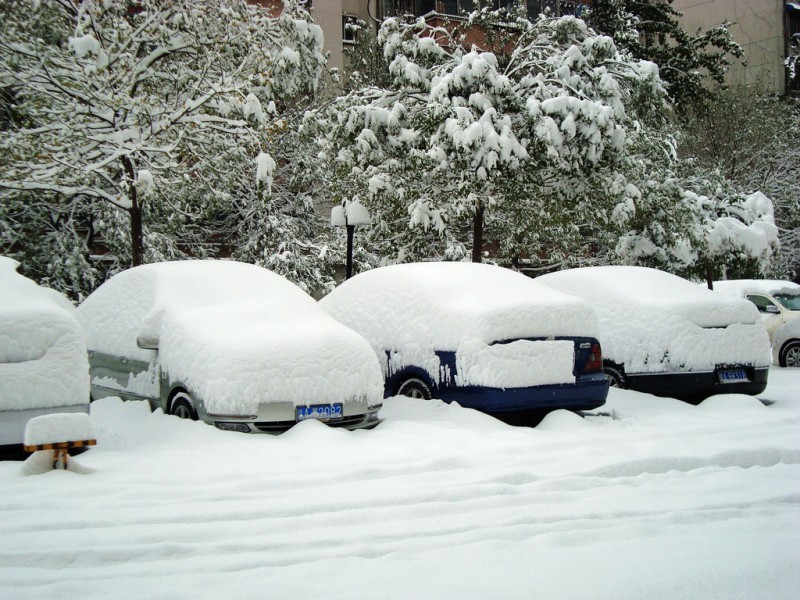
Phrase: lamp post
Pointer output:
(350, 215)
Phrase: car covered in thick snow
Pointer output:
(43, 363)
(778, 302)
(229, 343)
(667, 336)
(486, 337)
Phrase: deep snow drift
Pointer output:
(649, 498)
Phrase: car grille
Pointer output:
(278, 426)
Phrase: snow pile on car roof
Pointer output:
(652, 321)
(742, 287)
(235, 334)
(43, 361)
(441, 304)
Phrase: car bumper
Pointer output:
(589, 392)
(696, 386)
(269, 424)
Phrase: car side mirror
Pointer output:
(771, 309)
(147, 343)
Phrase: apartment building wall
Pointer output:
(758, 28)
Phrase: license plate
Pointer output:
(320, 412)
(733, 376)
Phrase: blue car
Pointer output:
(486, 337)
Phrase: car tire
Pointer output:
(790, 354)
(415, 388)
(615, 377)
(182, 406)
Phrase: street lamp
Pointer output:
(348, 216)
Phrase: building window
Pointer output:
(349, 29)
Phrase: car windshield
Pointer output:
(790, 301)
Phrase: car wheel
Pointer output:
(615, 377)
(182, 406)
(415, 388)
(790, 354)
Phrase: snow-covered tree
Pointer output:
(150, 108)
(750, 137)
(514, 139)
(688, 63)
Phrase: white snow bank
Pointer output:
(413, 310)
(56, 428)
(235, 334)
(651, 321)
(437, 502)
(43, 361)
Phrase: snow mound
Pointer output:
(562, 420)
(727, 403)
(452, 415)
(57, 428)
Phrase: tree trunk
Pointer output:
(709, 275)
(135, 212)
(137, 244)
(351, 229)
(477, 234)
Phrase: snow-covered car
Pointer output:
(232, 344)
(486, 337)
(669, 337)
(778, 302)
(43, 363)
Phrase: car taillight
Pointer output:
(595, 361)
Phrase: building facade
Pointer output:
(766, 30)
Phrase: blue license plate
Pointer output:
(320, 412)
(733, 376)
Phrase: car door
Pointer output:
(770, 312)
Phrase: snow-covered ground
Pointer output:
(657, 499)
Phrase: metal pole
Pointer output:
(350, 230)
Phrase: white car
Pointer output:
(667, 336)
(778, 302)
(480, 335)
(229, 343)
(43, 363)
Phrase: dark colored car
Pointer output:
(669, 337)
(486, 337)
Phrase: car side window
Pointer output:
(761, 303)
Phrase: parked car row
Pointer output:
(243, 349)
